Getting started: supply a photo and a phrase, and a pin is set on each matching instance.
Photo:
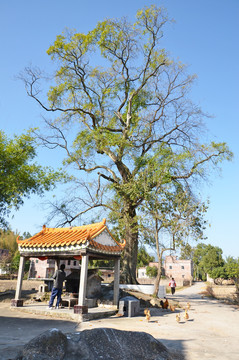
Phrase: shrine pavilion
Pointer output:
(87, 242)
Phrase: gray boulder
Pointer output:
(50, 345)
(95, 344)
(112, 344)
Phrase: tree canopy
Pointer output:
(19, 175)
(207, 259)
(134, 125)
(143, 257)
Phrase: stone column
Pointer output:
(82, 308)
(116, 281)
(17, 301)
(57, 264)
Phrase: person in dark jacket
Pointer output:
(59, 278)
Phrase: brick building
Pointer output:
(181, 270)
(46, 268)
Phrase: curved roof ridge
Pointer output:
(51, 238)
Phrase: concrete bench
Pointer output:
(70, 301)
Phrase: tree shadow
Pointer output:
(15, 332)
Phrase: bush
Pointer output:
(151, 271)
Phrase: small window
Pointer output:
(183, 276)
(36, 261)
(108, 275)
(170, 267)
(69, 262)
(182, 267)
(74, 262)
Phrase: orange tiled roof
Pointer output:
(55, 238)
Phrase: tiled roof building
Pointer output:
(96, 238)
(93, 241)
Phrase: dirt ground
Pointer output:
(210, 333)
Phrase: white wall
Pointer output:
(145, 289)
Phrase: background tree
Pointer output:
(211, 260)
(186, 251)
(232, 271)
(5, 260)
(207, 259)
(151, 271)
(174, 212)
(19, 176)
(8, 241)
(134, 124)
(143, 258)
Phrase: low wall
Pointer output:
(145, 289)
(224, 291)
(164, 282)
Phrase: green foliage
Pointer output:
(152, 271)
(15, 262)
(232, 268)
(186, 251)
(101, 263)
(8, 240)
(218, 272)
(172, 210)
(5, 261)
(207, 259)
(14, 266)
(143, 257)
(212, 259)
(19, 175)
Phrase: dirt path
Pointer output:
(210, 333)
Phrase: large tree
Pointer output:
(133, 125)
(19, 175)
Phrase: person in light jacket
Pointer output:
(172, 285)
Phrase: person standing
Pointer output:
(59, 277)
(172, 285)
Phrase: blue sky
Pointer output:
(204, 36)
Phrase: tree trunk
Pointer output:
(160, 257)
(237, 289)
(128, 274)
(158, 278)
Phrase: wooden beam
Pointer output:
(70, 254)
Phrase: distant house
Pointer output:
(181, 270)
(46, 268)
(107, 274)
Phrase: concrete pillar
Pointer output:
(82, 308)
(116, 281)
(18, 302)
(57, 264)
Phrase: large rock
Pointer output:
(50, 345)
(95, 344)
